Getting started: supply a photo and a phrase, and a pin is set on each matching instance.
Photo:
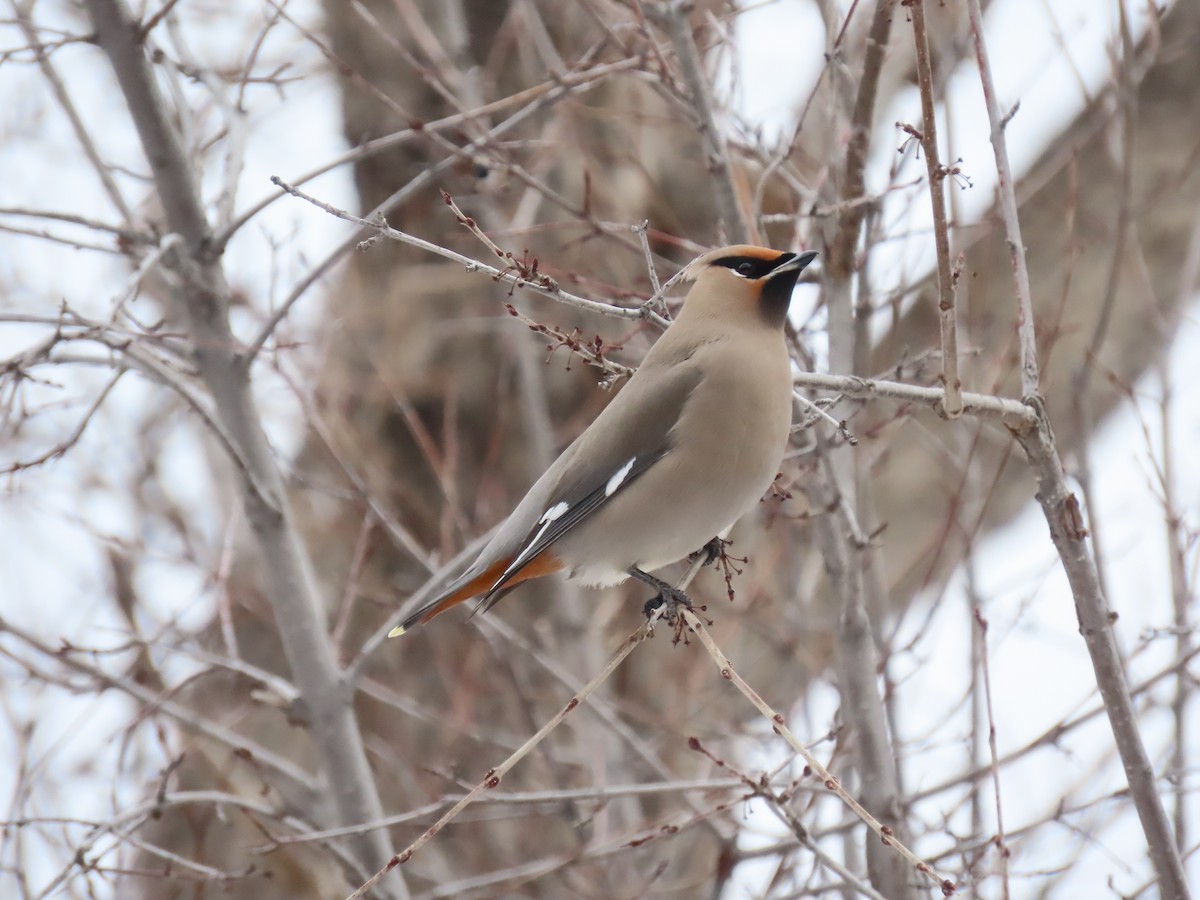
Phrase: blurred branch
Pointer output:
(23, 11)
(844, 552)
(1068, 531)
(536, 97)
(1096, 621)
(947, 311)
(1010, 412)
(841, 251)
(519, 273)
(675, 14)
(71, 439)
(779, 726)
(423, 179)
(494, 775)
(994, 765)
(1007, 191)
(1081, 393)
(298, 612)
(298, 785)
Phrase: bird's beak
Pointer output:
(795, 264)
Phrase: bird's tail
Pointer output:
(542, 564)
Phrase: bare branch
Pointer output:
(1011, 412)
(1001, 846)
(494, 776)
(779, 726)
(675, 13)
(947, 311)
(1068, 531)
(1096, 621)
(1008, 208)
(102, 169)
(297, 608)
(515, 274)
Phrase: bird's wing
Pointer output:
(628, 438)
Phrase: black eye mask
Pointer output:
(753, 267)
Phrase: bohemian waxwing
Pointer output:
(687, 447)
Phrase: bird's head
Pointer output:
(745, 280)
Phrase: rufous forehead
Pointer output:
(751, 250)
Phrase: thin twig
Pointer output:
(947, 311)
(641, 230)
(519, 278)
(71, 439)
(1007, 190)
(493, 776)
(204, 295)
(780, 805)
(994, 764)
(733, 225)
(779, 726)
(426, 177)
(1068, 530)
(567, 85)
(102, 169)
(1096, 620)
(1012, 412)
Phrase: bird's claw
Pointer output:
(711, 551)
(667, 604)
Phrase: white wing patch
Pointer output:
(555, 512)
(620, 476)
(548, 518)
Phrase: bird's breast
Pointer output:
(727, 447)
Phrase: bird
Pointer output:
(688, 446)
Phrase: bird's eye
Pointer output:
(745, 269)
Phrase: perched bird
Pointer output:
(689, 445)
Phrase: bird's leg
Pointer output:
(711, 551)
(668, 596)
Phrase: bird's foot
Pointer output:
(667, 604)
(711, 552)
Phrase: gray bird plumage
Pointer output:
(688, 446)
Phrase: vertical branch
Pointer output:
(979, 718)
(858, 672)
(1081, 384)
(1067, 530)
(839, 258)
(287, 575)
(1001, 846)
(724, 192)
(1176, 543)
(1096, 619)
(492, 778)
(947, 312)
(1008, 209)
(841, 251)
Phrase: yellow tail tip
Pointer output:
(397, 631)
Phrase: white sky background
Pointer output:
(53, 576)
